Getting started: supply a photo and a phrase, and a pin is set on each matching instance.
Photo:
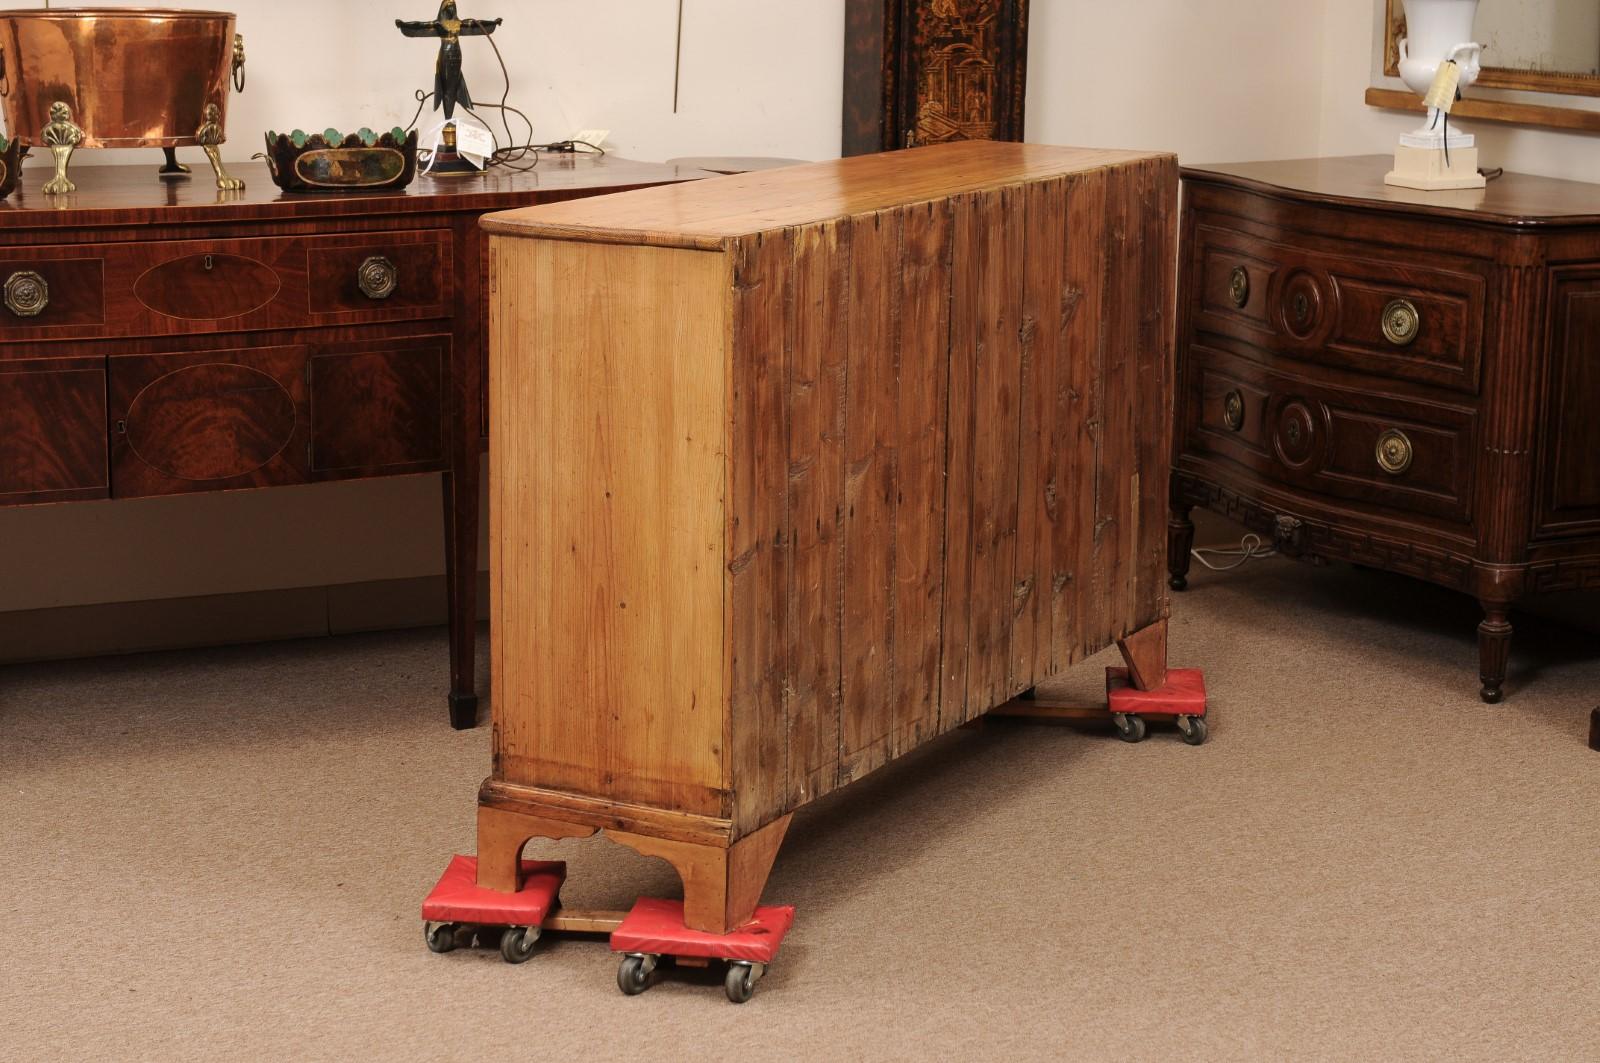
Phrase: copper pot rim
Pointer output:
(62, 14)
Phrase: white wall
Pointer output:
(1350, 127)
(1217, 80)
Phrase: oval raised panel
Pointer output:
(207, 287)
(210, 422)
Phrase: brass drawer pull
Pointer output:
(377, 277)
(1233, 411)
(1401, 322)
(26, 293)
(1394, 452)
(1239, 287)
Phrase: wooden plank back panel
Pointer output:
(927, 440)
(607, 523)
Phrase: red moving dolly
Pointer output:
(1182, 697)
(654, 928)
(458, 902)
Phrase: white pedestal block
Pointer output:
(1425, 168)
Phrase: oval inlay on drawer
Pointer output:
(210, 422)
(207, 287)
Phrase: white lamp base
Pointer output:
(1425, 168)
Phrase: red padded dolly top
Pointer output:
(656, 928)
(1183, 694)
(459, 899)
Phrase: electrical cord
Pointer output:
(1249, 548)
(511, 155)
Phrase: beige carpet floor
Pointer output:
(219, 855)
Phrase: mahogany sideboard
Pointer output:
(168, 337)
(1406, 380)
(852, 453)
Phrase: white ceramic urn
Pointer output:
(1436, 31)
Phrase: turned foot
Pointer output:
(1180, 541)
(172, 169)
(1494, 650)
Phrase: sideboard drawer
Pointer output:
(168, 288)
(1342, 443)
(52, 430)
(1398, 320)
(43, 293)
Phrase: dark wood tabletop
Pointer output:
(1510, 199)
(134, 195)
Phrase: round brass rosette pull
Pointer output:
(1233, 411)
(1394, 452)
(1401, 322)
(26, 293)
(1239, 287)
(377, 277)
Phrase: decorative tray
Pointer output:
(333, 162)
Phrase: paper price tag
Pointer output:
(1446, 86)
(474, 141)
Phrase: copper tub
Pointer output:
(127, 78)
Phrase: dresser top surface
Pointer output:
(132, 194)
(705, 214)
(1511, 199)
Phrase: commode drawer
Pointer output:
(1341, 443)
(165, 288)
(1368, 315)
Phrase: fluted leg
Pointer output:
(1494, 649)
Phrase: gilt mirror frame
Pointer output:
(1519, 96)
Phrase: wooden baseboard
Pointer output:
(226, 619)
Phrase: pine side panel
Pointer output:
(1044, 227)
(759, 536)
(816, 388)
(997, 358)
(1116, 458)
(869, 544)
(968, 236)
(607, 588)
(1154, 412)
(1079, 400)
(921, 383)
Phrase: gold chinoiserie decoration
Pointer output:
(1401, 322)
(1394, 452)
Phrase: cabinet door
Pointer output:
(378, 407)
(52, 430)
(1569, 488)
(207, 420)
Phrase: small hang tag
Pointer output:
(474, 142)
(1446, 87)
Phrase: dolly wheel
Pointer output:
(441, 937)
(1193, 729)
(1130, 728)
(740, 982)
(516, 944)
(633, 977)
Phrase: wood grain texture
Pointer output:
(903, 465)
(1487, 395)
(141, 271)
(607, 580)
